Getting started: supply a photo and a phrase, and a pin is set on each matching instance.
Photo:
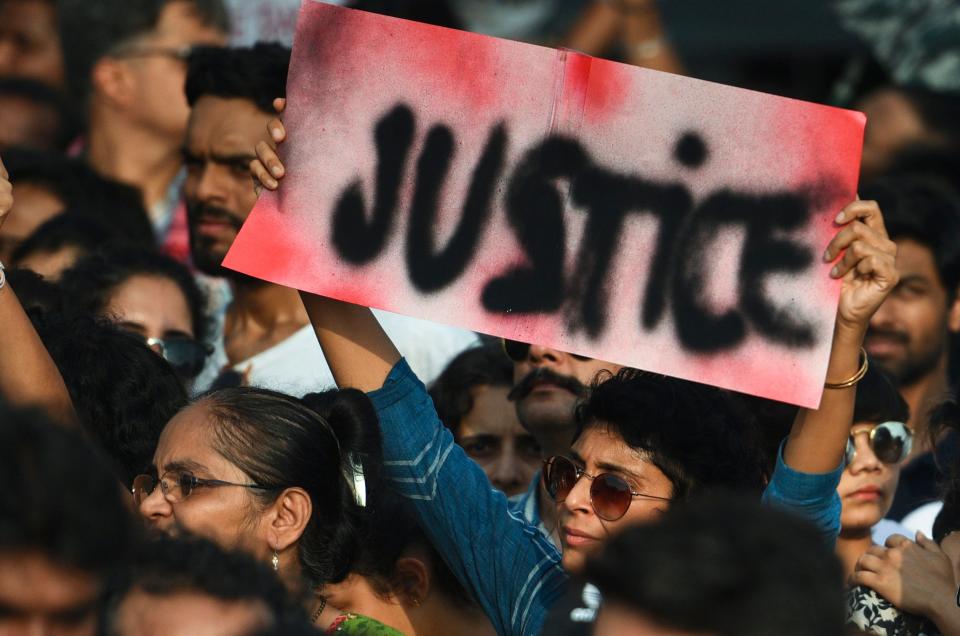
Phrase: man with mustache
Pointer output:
(547, 386)
(266, 338)
(909, 336)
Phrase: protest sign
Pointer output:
(546, 196)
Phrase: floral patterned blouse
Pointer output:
(873, 614)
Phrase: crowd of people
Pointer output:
(188, 450)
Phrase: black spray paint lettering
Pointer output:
(535, 209)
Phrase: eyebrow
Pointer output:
(238, 158)
(614, 468)
(184, 465)
(909, 279)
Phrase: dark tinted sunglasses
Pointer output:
(518, 351)
(891, 442)
(186, 355)
(610, 495)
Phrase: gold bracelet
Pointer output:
(856, 377)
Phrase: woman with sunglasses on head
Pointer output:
(879, 441)
(259, 471)
(150, 296)
(509, 566)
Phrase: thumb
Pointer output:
(925, 542)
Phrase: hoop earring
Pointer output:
(275, 561)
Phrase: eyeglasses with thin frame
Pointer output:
(176, 486)
(610, 494)
(891, 442)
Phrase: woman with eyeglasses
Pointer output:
(259, 471)
(513, 570)
(149, 295)
(879, 441)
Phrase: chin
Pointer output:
(573, 561)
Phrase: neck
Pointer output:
(267, 305)
(120, 149)
(851, 545)
(921, 396)
(436, 616)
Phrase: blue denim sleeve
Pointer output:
(811, 495)
(513, 571)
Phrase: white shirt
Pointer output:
(296, 365)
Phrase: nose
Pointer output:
(7, 56)
(156, 510)
(883, 318)
(865, 460)
(506, 473)
(578, 499)
(540, 355)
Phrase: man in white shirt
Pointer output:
(265, 338)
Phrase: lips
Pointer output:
(576, 538)
(885, 345)
(867, 493)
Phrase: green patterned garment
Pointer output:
(355, 625)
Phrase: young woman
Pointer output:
(515, 572)
(879, 442)
(148, 295)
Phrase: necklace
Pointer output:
(319, 610)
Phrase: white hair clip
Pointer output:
(356, 481)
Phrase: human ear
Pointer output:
(289, 516)
(114, 80)
(411, 580)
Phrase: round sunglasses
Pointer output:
(519, 351)
(891, 442)
(610, 495)
(177, 486)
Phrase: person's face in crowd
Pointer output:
(221, 137)
(33, 205)
(492, 436)
(582, 532)
(38, 596)
(25, 123)
(51, 264)
(617, 619)
(893, 123)
(159, 75)
(151, 306)
(547, 385)
(867, 485)
(29, 41)
(188, 614)
(908, 335)
(227, 515)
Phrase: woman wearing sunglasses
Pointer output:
(150, 296)
(510, 567)
(879, 441)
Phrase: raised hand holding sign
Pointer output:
(545, 196)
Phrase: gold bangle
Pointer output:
(856, 377)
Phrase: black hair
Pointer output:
(257, 73)
(944, 421)
(485, 365)
(58, 496)
(878, 398)
(67, 123)
(166, 566)
(38, 296)
(698, 436)
(67, 229)
(91, 282)
(123, 392)
(725, 565)
(926, 211)
(90, 31)
(938, 110)
(280, 442)
(393, 531)
(117, 205)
